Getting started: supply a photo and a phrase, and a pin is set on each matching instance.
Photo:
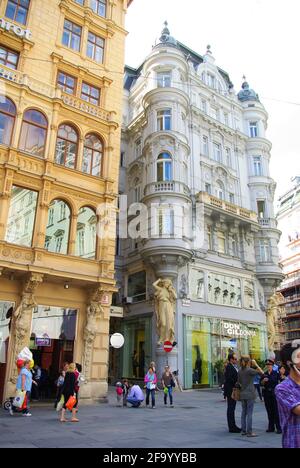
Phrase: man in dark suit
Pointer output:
(231, 376)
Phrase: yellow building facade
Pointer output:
(61, 75)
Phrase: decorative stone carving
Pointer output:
(165, 299)
(94, 313)
(272, 312)
(22, 318)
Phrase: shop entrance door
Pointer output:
(52, 345)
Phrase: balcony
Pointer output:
(174, 187)
(91, 109)
(224, 206)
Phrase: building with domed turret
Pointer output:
(196, 156)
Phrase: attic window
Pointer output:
(251, 105)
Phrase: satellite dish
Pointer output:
(117, 340)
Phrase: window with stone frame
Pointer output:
(164, 118)
(72, 35)
(9, 57)
(17, 10)
(95, 47)
(67, 83)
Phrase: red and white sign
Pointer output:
(168, 346)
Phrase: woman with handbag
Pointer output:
(69, 391)
(248, 371)
(168, 384)
(150, 381)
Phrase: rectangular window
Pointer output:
(211, 80)
(17, 10)
(257, 165)
(228, 157)
(95, 47)
(253, 128)
(204, 106)
(208, 188)
(221, 242)
(209, 238)
(164, 80)
(214, 113)
(137, 286)
(166, 222)
(138, 148)
(234, 245)
(66, 83)
(137, 194)
(261, 208)
(217, 152)
(51, 217)
(90, 94)
(9, 58)
(58, 244)
(72, 35)
(99, 7)
(231, 198)
(205, 145)
(264, 250)
(164, 120)
(226, 119)
(20, 224)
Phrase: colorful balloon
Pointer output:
(31, 366)
(20, 363)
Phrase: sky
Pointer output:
(255, 38)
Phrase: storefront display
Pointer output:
(208, 342)
(137, 351)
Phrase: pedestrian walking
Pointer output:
(288, 396)
(150, 381)
(59, 383)
(69, 390)
(168, 385)
(249, 369)
(24, 384)
(270, 380)
(231, 377)
(135, 396)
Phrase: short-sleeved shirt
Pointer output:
(28, 381)
(288, 398)
(245, 379)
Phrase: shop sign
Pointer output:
(235, 329)
(117, 312)
(44, 341)
(17, 30)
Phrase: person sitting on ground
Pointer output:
(135, 396)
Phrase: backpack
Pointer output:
(119, 390)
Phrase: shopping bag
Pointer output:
(71, 402)
(60, 404)
(19, 399)
(24, 406)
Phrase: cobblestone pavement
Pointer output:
(197, 420)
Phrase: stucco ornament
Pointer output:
(165, 299)
(93, 314)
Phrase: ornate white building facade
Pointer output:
(195, 154)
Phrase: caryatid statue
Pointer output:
(165, 300)
(273, 310)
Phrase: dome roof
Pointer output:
(166, 38)
(247, 94)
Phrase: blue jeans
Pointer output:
(135, 403)
(247, 411)
(148, 391)
(170, 389)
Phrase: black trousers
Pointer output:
(272, 410)
(231, 404)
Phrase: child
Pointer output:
(119, 391)
(125, 391)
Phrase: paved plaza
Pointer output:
(197, 420)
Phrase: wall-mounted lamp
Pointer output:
(67, 285)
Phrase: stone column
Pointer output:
(73, 235)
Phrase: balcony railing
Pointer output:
(84, 106)
(170, 186)
(204, 197)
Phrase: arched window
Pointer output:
(58, 227)
(92, 155)
(33, 133)
(66, 146)
(164, 167)
(7, 120)
(86, 233)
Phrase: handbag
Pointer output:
(71, 402)
(19, 399)
(173, 383)
(236, 394)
